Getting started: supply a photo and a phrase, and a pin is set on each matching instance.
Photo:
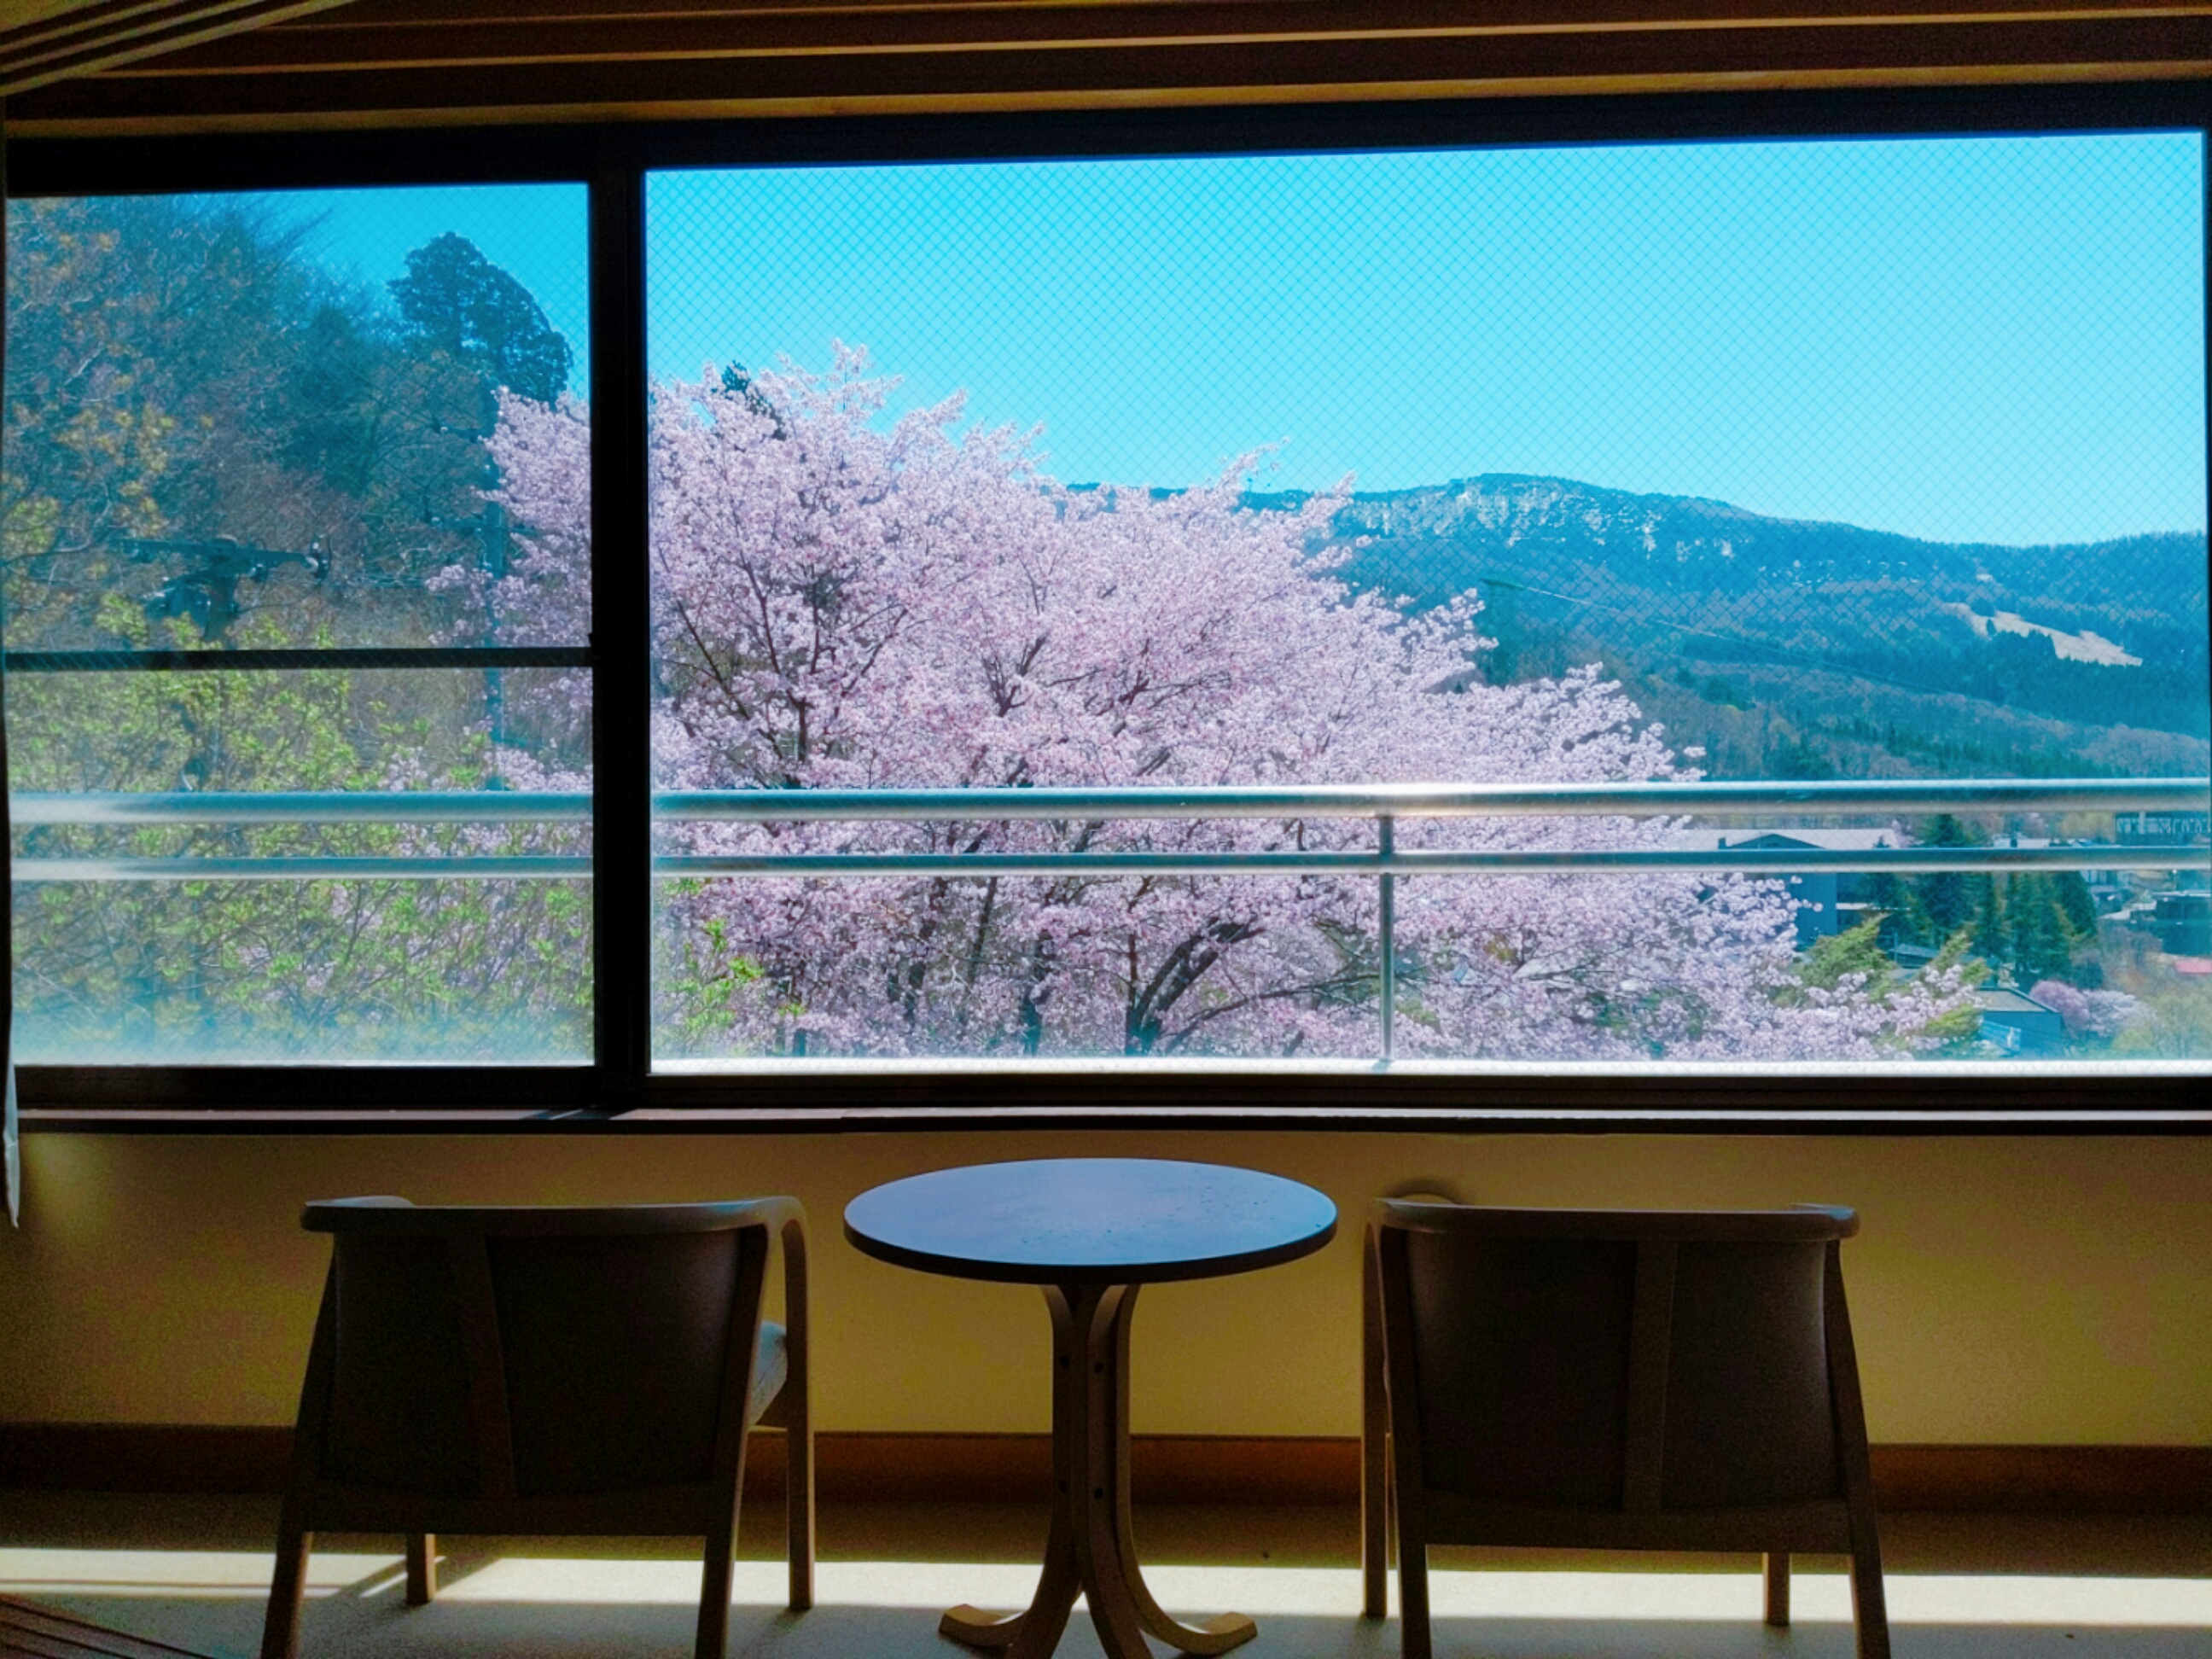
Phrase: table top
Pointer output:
(1090, 1221)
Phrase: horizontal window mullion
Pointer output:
(1444, 801)
(1754, 861)
(1562, 862)
(554, 867)
(1704, 800)
(309, 1088)
(337, 657)
(304, 806)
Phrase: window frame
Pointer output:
(618, 1089)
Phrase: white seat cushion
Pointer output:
(771, 1364)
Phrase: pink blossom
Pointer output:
(844, 602)
(2087, 1013)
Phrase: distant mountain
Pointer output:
(1698, 595)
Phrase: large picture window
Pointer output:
(1405, 623)
(299, 712)
(1026, 536)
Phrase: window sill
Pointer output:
(828, 1097)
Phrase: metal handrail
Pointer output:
(1384, 802)
(1566, 861)
(1405, 801)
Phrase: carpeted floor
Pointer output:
(41, 1632)
(193, 1573)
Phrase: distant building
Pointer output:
(1827, 899)
(2183, 922)
(2019, 1024)
(2160, 829)
(1815, 892)
(2109, 894)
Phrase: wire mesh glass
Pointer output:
(258, 455)
(1839, 459)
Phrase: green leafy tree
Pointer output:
(184, 387)
(179, 376)
(1855, 957)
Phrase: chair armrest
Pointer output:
(397, 1217)
(1800, 1223)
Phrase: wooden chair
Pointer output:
(1612, 1379)
(588, 1371)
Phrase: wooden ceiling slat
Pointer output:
(403, 13)
(1122, 75)
(374, 13)
(915, 29)
(92, 37)
(66, 21)
(105, 24)
(1575, 14)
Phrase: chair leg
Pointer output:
(797, 1402)
(799, 1511)
(1374, 1448)
(714, 1595)
(421, 1569)
(280, 1629)
(1870, 1604)
(1413, 1598)
(1775, 1563)
(715, 1571)
(1375, 1527)
(1869, 1607)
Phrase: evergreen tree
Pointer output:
(466, 307)
(2077, 903)
(2042, 945)
(1958, 899)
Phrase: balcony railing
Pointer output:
(1384, 804)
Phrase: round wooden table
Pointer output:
(1090, 1231)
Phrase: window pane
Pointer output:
(1869, 461)
(249, 426)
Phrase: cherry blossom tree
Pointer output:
(2095, 1013)
(842, 600)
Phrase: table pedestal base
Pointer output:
(1091, 1550)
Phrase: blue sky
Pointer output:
(1965, 339)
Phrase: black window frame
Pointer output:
(618, 1090)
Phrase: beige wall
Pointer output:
(2004, 1290)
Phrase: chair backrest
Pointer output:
(513, 1352)
(1622, 1360)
